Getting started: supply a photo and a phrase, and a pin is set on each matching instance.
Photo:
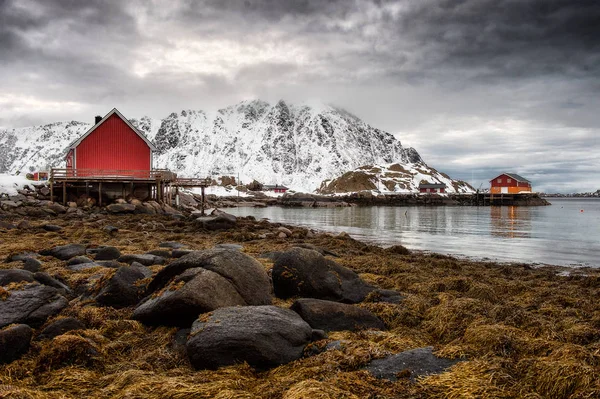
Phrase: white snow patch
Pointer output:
(9, 184)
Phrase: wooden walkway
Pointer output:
(162, 184)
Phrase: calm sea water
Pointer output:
(567, 233)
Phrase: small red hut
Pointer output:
(432, 188)
(509, 183)
(113, 146)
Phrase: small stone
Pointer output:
(14, 342)
(111, 229)
(32, 265)
(284, 230)
(60, 327)
(282, 235)
(79, 260)
(108, 253)
(171, 244)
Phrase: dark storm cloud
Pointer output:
(397, 64)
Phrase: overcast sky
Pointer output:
(476, 86)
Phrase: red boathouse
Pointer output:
(112, 146)
(510, 183)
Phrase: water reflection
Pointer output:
(510, 221)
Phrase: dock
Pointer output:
(161, 185)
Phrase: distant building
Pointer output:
(112, 144)
(275, 188)
(432, 188)
(509, 183)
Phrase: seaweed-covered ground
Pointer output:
(523, 332)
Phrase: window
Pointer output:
(499, 180)
(508, 180)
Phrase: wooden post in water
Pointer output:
(203, 204)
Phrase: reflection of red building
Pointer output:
(509, 183)
(432, 188)
(111, 144)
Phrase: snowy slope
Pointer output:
(295, 145)
(389, 179)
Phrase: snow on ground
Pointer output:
(9, 184)
(220, 191)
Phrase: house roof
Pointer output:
(120, 115)
(513, 176)
(432, 185)
(274, 186)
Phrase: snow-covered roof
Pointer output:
(513, 176)
(120, 115)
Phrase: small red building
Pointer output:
(113, 146)
(275, 188)
(509, 183)
(432, 188)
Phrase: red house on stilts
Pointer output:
(113, 146)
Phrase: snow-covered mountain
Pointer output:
(295, 145)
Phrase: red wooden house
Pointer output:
(275, 188)
(432, 188)
(510, 183)
(113, 146)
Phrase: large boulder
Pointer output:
(46, 279)
(120, 208)
(335, 316)
(122, 289)
(245, 273)
(262, 336)
(31, 304)
(191, 293)
(14, 342)
(413, 363)
(108, 253)
(144, 259)
(306, 273)
(65, 252)
(60, 327)
(8, 276)
(222, 221)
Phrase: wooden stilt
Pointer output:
(52, 189)
(202, 210)
(100, 194)
(64, 193)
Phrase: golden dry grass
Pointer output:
(523, 332)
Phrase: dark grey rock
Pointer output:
(21, 257)
(191, 293)
(31, 305)
(46, 279)
(178, 253)
(51, 227)
(235, 247)
(7, 225)
(111, 229)
(8, 276)
(107, 253)
(83, 266)
(144, 259)
(32, 265)
(65, 252)
(262, 336)
(419, 362)
(171, 244)
(245, 273)
(271, 255)
(60, 327)
(388, 296)
(160, 252)
(120, 208)
(14, 342)
(122, 289)
(223, 221)
(335, 316)
(109, 263)
(78, 260)
(306, 273)
(56, 208)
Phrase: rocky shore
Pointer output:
(141, 300)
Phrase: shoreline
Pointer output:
(515, 329)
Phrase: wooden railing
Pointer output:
(112, 174)
(192, 182)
